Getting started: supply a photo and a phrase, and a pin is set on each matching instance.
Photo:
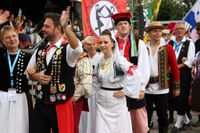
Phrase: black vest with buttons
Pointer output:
(61, 87)
(20, 79)
(185, 73)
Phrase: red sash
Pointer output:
(65, 116)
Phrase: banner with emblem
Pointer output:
(96, 15)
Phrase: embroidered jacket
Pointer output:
(83, 78)
(167, 64)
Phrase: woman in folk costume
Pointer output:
(88, 118)
(116, 78)
(196, 85)
(162, 61)
(83, 88)
(197, 50)
(13, 84)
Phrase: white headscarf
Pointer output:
(116, 52)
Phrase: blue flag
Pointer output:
(193, 16)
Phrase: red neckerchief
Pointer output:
(127, 50)
(121, 43)
(64, 41)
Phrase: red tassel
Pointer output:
(132, 69)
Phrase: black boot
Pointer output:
(171, 116)
(197, 124)
(163, 129)
(151, 125)
(175, 130)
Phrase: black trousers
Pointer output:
(182, 100)
(43, 118)
(161, 103)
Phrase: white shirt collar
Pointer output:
(183, 40)
(162, 43)
(124, 37)
(58, 43)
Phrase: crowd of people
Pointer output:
(116, 90)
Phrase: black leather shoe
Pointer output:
(186, 126)
(197, 124)
(151, 125)
(171, 120)
(175, 130)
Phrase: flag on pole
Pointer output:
(96, 15)
(153, 9)
(148, 19)
(156, 7)
(193, 16)
(134, 51)
(150, 10)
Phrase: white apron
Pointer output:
(13, 115)
(112, 114)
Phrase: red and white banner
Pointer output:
(96, 15)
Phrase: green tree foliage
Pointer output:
(174, 9)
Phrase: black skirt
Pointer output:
(196, 95)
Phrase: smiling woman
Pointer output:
(13, 84)
(113, 75)
(106, 44)
(10, 39)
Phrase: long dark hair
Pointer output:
(108, 33)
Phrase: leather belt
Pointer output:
(153, 80)
(112, 89)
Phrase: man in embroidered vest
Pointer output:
(162, 60)
(135, 52)
(185, 53)
(197, 49)
(52, 65)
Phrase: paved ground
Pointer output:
(192, 130)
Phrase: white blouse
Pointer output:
(71, 54)
(106, 77)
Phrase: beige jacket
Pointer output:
(83, 78)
